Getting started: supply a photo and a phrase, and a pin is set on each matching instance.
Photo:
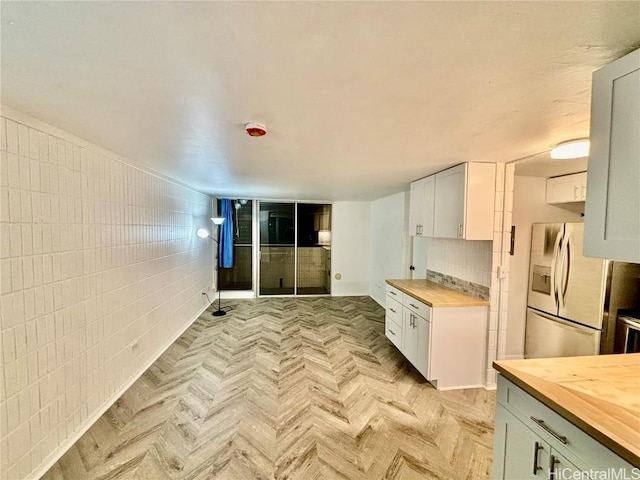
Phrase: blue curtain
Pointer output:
(226, 234)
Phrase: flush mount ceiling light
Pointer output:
(202, 233)
(255, 129)
(571, 149)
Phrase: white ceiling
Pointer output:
(359, 98)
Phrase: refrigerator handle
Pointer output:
(566, 269)
(563, 270)
(554, 269)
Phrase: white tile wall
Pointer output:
(499, 289)
(466, 260)
(95, 255)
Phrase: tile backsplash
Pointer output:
(463, 286)
(462, 259)
(101, 269)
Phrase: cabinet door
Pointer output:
(429, 192)
(448, 219)
(559, 468)
(612, 216)
(409, 335)
(567, 189)
(423, 349)
(518, 453)
(416, 208)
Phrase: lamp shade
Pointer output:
(217, 220)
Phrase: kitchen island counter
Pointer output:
(598, 394)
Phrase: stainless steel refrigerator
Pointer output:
(573, 300)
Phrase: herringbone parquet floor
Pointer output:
(286, 388)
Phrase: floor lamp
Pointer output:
(203, 233)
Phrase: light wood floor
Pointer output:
(285, 388)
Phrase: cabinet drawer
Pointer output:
(394, 310)
(561, 434)
(394, 293)
(417, 307)
(393, 332)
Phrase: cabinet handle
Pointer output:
(414, 306)
(575, 192)
(553, 461)
(583, 189)
(392, 293)
(392, 310)
(536, 450)
(562, 438)
(392, 332)
(459, 230)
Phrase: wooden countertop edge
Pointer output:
(611, 443)
(472, 302)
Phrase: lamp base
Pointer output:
(219, 313)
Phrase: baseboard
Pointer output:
(232, 294)
(491, 386)
(67, 444)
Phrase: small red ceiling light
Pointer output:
(255, 129)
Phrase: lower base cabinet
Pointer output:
(415, 331)
(445, 344)
(525, 455)
(533, 442)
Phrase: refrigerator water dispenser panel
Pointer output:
(541, 279)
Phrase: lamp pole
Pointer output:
(218, 221)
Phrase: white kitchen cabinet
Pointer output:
(612, 215)
(533, 442)
(393, 321)
(445, 344)
(464, 202)
(524, 454)
(415, 340)
(421, 207)
(567, 188)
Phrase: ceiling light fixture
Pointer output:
(255, 129)
(571, 149)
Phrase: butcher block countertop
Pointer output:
(436, 295)
(599, 394)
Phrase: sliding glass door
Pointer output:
(277, 248)
(313, 249)
(295, 248)
(240, 275)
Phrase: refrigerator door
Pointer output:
(545, 251)
(580, 280)
(548, 337)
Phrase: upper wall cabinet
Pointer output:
(567, 188)
(612, 214)
(421, 207)
(464, 202)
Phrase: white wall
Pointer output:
(528, 207)
(351, 248)
(101, 270)
(389, 242)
